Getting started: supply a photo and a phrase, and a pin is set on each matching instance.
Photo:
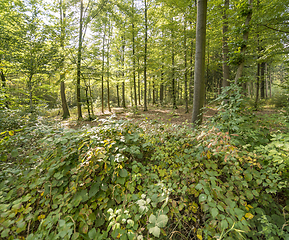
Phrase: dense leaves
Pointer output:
(127, 181)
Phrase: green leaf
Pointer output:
(14, 153)
(152, 219)
(155, 231)
(224, 224)
(162, 221)
(92, 234)
(214, 212)
(240, 213)
(75, 236)
(123, 173)
(94, 189)
(202, 197)
(5, 233)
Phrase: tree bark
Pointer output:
(226, 69)
(79, 53)
(133, 57)
(199, 86)
(262, 80)
(186, 72)
(123, 82)
(245, 40)
(65, 109)
(145, 57)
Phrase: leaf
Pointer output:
(123, 173)
(239, 213)
(5, 233)
(92, 234)
(155, 231)
(94, 189)
(202, 197)
(214, 212)
(75, 236)
(162, 220)
(152, 219)
(14, 153)
(224, 224)
(249, 215)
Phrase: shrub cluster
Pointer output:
(126, 181)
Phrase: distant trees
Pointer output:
(137, 52)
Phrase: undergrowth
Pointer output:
(143, 181)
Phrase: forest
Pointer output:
(144, 119)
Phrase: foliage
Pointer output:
(126, 181)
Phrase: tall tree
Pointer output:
(248, 12)
(226, 69)
(62, 18)
(79, 54)
(199, 84)
(145, 54)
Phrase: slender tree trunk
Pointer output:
(3, 79)
(226, 69)
(173, 73)
(102, 72)
(186, 72)
(91, 99)
(270, 81)
(30, 92)
(133, 58)
(245, 40)
(65, 109)
(123, 95)
(138, 80)
(108, 67)
(117, 95)
(199, 86)
(262, 80)
(79, 53)
(87, 102)
(191, 68)
(154, 93)
(257, 85)
(123, 82)
(145, 57)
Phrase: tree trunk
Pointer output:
(30, 92)
(226, 69)
(108, 67)
(123, 83)
(102, 72)
(199, 86)
(245, 40)
(173, 73)
(262, 80)
(78, 98)
(65, 109)
(145, 57)
(117, 95)
(186, 72)
(133, 58)
(257, 86)
(191, 68)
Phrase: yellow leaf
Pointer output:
(199, 234)
(249, 215)
(129, 131)
(208, 155)
(11, 133)
(41, 217)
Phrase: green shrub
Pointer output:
(127, 181)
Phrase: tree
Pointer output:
(62, 19)
(199, 84)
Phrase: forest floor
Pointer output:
(158, 114)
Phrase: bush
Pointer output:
(127, 181)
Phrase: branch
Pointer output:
(275, 29)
